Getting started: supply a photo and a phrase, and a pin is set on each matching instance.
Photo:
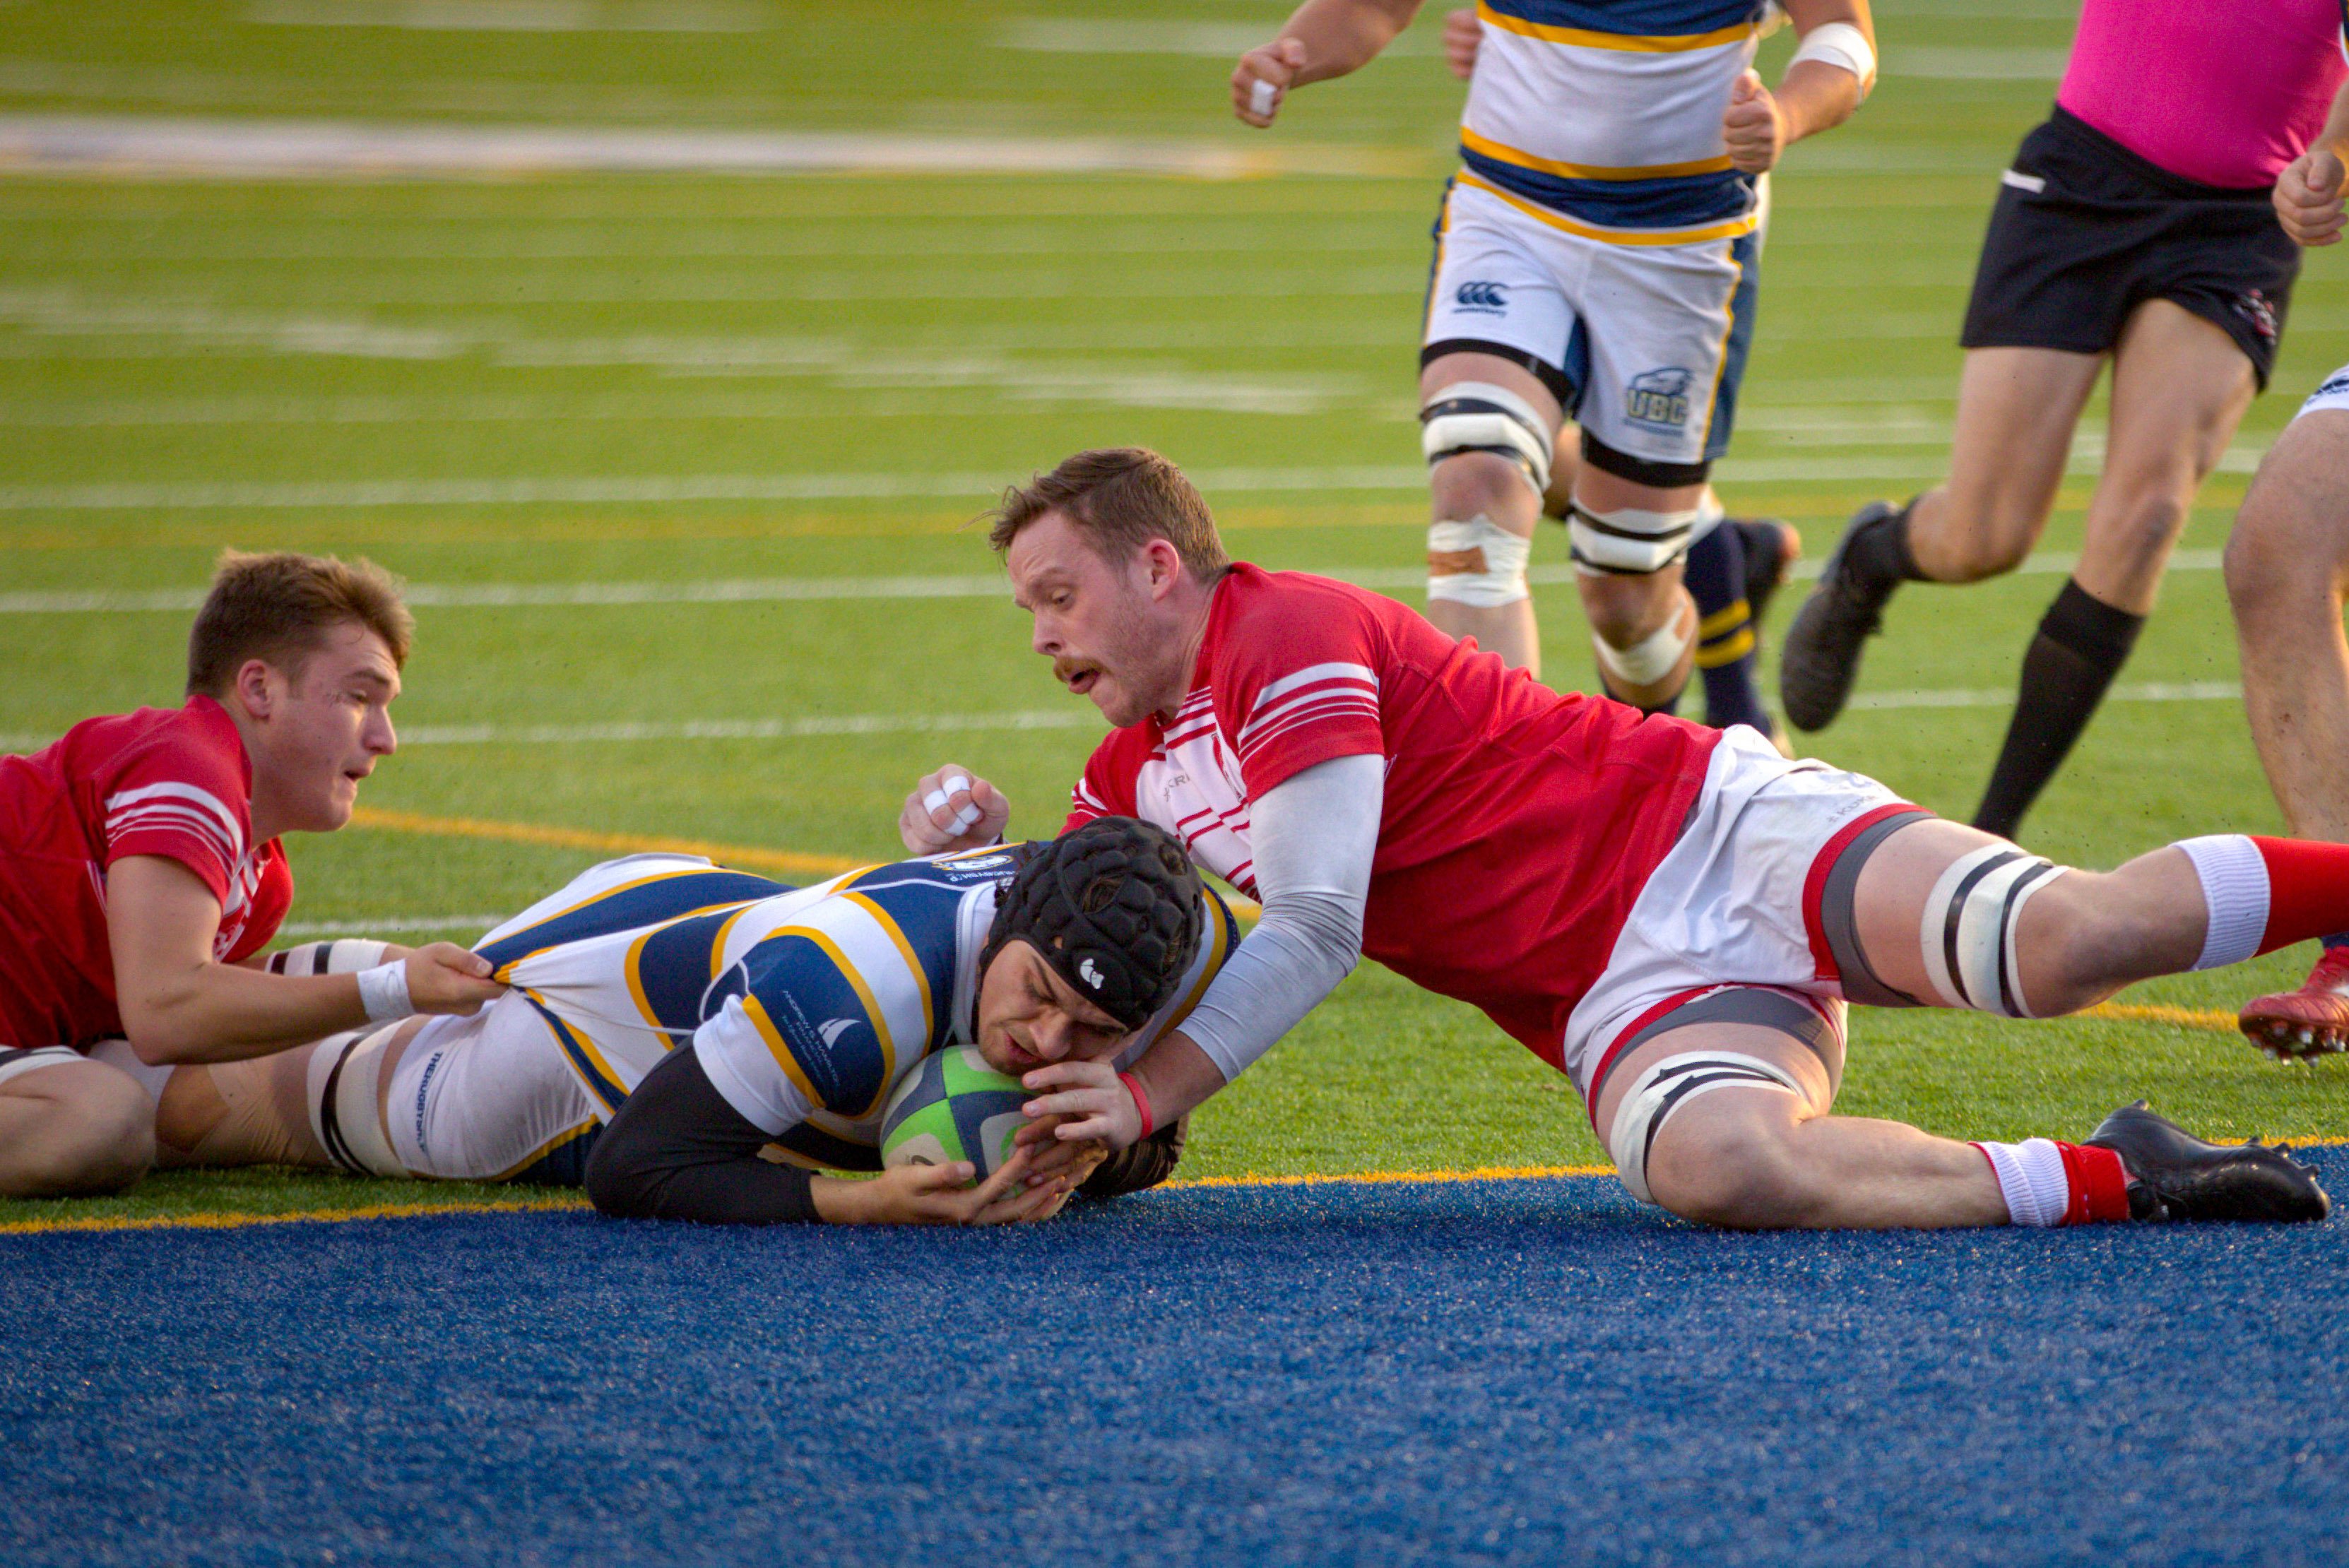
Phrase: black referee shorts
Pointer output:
(2086, 231)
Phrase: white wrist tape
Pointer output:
(1649, 659)
(383, 992)
(1477, 562)
(1840, 43)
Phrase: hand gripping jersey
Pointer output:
(805, 1006)
(1608, 113)
(170, 782)
(1519, 823)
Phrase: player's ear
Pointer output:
(1164, 565)
(257, 687)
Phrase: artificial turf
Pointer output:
(179, 358)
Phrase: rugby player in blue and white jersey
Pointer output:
(696, 1043)
(1596, 257)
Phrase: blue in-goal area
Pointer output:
(1534, 1372)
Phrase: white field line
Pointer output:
(1080, 717)
(62, 313)
(1210, 40)
(306, 930)
(147, 146)
(816, 590)
(517, 16)
(975, 486)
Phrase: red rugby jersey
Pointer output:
(1519, 823)
(173, 782)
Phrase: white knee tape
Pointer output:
(1478, 417)
(346, 1101)
(1968, 928)
(1628, 540)
(1671, 1084)
(1648, 660)
(1476, 563)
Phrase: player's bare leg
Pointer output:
(2011, 934)
(2179, 387)
(2288, 576)
(70, 1128)
(239, 1113)
(2017, 409)
(1491, 461)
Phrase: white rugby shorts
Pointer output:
(485, 1098)
(2333, 394)
(1652, 339)
(1725, 907)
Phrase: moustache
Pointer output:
(1066, 668)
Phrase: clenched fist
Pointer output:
(952, 810)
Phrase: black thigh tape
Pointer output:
(1839, 922)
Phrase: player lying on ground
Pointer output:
(140, 873)
(1672, 916)
(1735, 565)
(1597, 256)
(2134, 227)
(799, 1009)
(2288, 576)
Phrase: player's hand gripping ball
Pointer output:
(952, 1107)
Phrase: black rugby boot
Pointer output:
(1819, 659)
(2173, 1175)
(1770, 548)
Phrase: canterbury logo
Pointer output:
(1093, 975)
(833, 1028)
(1483, 296)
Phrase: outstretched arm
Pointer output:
(1314, 836)
(677, 1150)
(1322, 39)
(1832, 71)
(179, 1005)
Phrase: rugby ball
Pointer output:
(953, 1106)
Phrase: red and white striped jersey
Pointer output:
(172, 782)
(1519, 823)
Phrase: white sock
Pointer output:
(2234, 876)
(2031, 1177)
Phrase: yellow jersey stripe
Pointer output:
(1727, 231)
(505, 970)
(1501, 152)
(872, 1011)
(718, 943)
(543, 1150)
(904, 951)
(1582, 38)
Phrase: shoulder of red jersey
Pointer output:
(1105, 789)
(173, 783)
(1293, 664)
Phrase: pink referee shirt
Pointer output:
(2225, 92)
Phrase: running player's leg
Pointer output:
(2179, 387)
(2017, 409)
(1496, 380)
(1667, 328)
(69, 1126)
(2288, 576)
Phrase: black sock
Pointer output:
(1725, 648)
(1878, 557)
(2081, 647)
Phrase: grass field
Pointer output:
(682, 466)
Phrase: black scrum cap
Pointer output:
(1115, 908)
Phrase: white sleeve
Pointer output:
(1313, 837)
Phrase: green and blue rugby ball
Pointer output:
(953, 1106)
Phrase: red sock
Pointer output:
(2308, 890)
(2098, 1183)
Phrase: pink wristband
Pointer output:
(1141, 1101)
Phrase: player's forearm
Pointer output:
(1177, 1077)
(1341, 37)
(677, 1149)
(1814, 96)
(225, 1013)
(2335, 132)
